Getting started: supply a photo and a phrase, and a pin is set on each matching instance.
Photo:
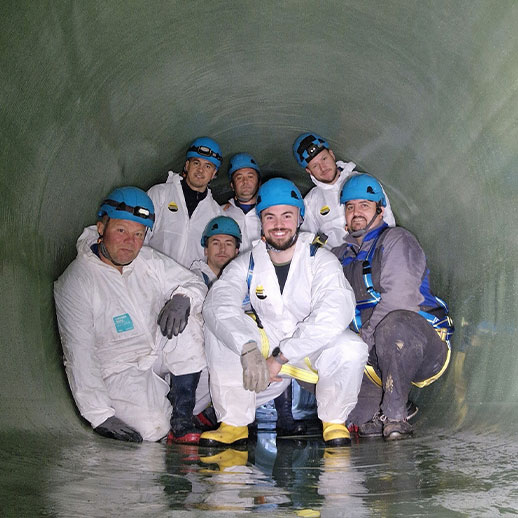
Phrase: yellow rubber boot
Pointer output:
(227, 459)
(225, 435)
(336, 434)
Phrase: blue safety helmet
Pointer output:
(221, 225)
(240, 161)
(363, 187)
(129, 203)
(207, 148)
(307, 146)
(279, 191)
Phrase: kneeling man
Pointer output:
(118, 357)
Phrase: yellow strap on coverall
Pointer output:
(309, 376)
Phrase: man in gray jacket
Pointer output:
(406, 327)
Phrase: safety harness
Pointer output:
(443, 326)
(309, 376)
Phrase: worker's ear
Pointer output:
(100, 228)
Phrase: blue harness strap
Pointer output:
(443, 326)
(374, 296)
(246, 301)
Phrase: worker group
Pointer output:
(179, 316)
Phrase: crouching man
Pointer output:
(406, 327)
(301, 306)
(117, 355)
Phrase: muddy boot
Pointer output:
(396, 430)
(182, 398)
(372, 428)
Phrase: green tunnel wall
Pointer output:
(424, 95)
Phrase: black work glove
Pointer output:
(174, 315)
(114, 428)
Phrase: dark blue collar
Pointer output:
(245, 207)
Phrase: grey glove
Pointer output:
(114, 428)
(256, 376)
(174, 316)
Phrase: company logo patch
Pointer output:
(325, 210)
(173, 207)
(259, 292)
(123, 323)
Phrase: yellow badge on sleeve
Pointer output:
(172, 206)
(325, 210)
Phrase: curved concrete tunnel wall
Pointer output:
(421, 94)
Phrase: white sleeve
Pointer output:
(332, 309)
(176, 279)
(388, 216)
(157, 195)
(310, 223)
(223, 311)
(76, 328)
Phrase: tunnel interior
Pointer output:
(96, 95)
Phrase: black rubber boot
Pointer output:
(182, 398)
(286, 425)
(206, 420)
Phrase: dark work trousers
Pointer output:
(406, 349)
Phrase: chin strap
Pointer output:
(104, 251)
(360, 233)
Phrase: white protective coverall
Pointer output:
(174, 232)
(249, 223)
(114, 353)
(309, 319)
(324, 212)
(203, 271)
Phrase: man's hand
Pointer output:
(255, 372)
(174, 315)
(274, 368)
(115, 428)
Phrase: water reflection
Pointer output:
(428, 475)
(270, 475)
(218, 480)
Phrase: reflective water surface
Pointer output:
(428, 475)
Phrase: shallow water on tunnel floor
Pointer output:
(428, 475)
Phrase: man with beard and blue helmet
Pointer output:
(406, 327)
(297, 327)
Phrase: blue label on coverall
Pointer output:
(123, 323)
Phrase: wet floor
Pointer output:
(428, 475)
